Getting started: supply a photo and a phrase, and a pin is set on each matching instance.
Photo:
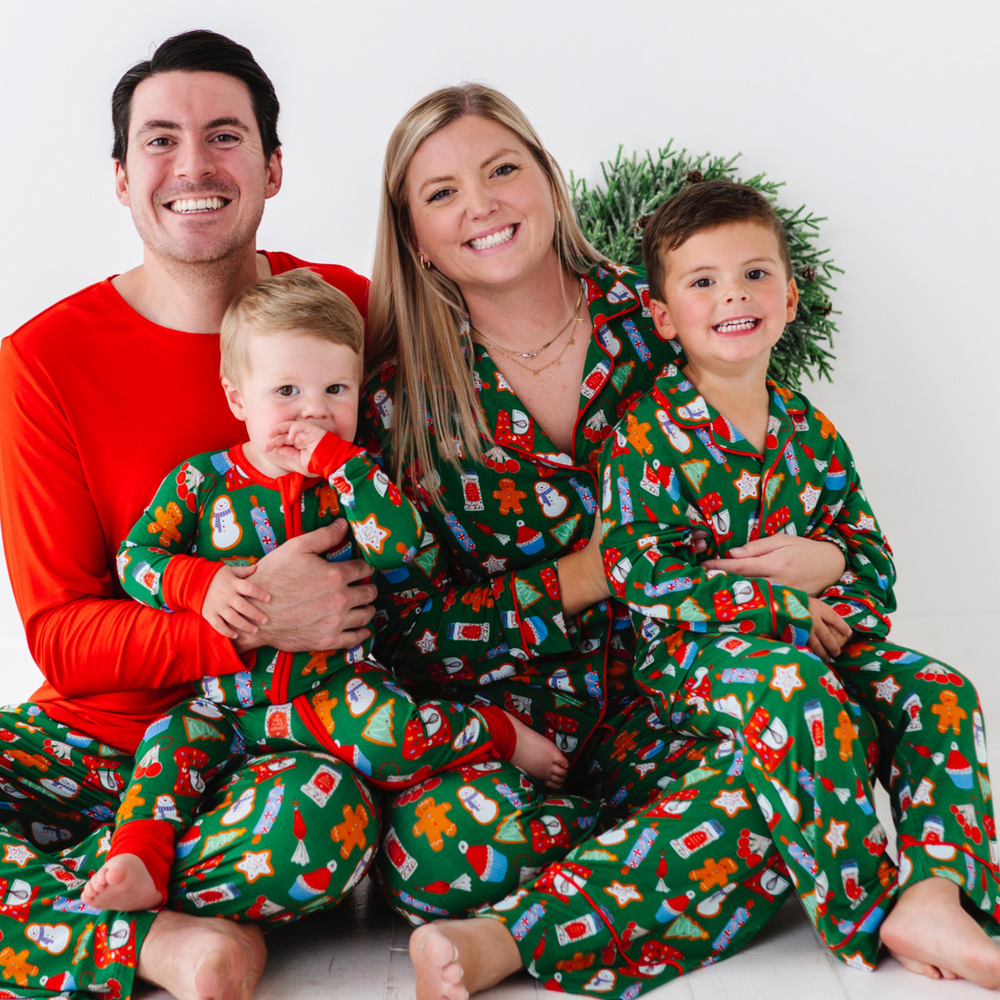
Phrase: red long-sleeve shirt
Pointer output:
(96, 404)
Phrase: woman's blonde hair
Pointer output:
(415, 316)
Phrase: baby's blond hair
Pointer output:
(298, 300)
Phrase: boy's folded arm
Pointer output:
(386, 525)
(649, 567)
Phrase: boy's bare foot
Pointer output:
(201, 958)
(928, 932)
(122, 883)
(537, 756)
(455, 958)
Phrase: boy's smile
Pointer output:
(727, 299)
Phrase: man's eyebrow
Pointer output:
(162, 124)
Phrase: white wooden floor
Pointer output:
(358, 952)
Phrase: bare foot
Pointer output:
(455, 958)
(202, 958)
(122, 883)
(537, 756)
(928, 932)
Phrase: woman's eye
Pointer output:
(440, 194)
(702, 283)
(756, 273)
(286, 390)
(505, 170)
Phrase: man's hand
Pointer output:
(803, 563)
(313, 603)
(829, 632)
(227, 607)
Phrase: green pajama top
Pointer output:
(675, 464)
(480, 609)
(216, 508)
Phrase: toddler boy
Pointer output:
(292, 349)
(716, 446)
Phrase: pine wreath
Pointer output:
(612, 218)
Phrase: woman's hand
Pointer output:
(803, 563)
(582, 582)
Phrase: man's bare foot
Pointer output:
(202, 958)
(122, 883)
(455, 958)
(537, 756)
(928, 932)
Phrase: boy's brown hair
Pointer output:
(698, 207)
(298, 300)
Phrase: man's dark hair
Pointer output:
(698, 207)
(192, 52)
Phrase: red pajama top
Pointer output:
(96, 403)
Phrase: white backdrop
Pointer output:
(880, 115)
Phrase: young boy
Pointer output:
(718, 447)
(291, 369)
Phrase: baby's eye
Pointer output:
(702, 283)
(286, 390)
(756, 273)
(336, 389)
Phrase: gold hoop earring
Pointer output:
(425, 263)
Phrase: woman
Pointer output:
(504, 350)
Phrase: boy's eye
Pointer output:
(702, 283)
(756, 273)
(159, 141)
(286, 390)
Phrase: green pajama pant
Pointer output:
(283, 835)
(933, 764)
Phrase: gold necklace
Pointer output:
(514, 355)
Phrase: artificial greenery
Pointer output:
(612, 218)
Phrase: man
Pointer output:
(100, 394)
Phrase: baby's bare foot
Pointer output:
(122, 883)
(200, 958)
(537, 756)
(456, 958)
(928, 932)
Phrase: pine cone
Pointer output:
(827, 308)
(809, 273)
(640, 224)
(695, 177)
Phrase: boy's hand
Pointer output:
(293, 443)
(807, 564)
(226, 607)
(829, 632)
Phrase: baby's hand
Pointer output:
(226, 607)
(294, 442)
(829, 632)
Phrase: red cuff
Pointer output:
(152, 842)
(186, 581)
(330, 454)
(501, 730)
